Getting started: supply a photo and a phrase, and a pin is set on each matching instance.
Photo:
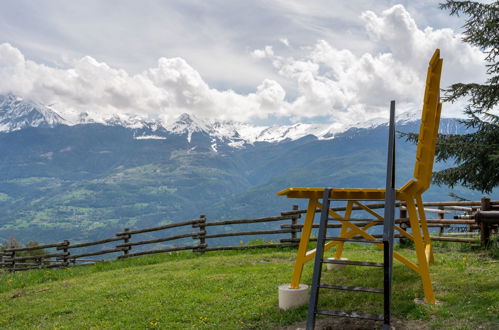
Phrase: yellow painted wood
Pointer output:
(403, 232)
(424, 270)
(310, 254)
(302, 247)
(368, 210)
(355, 230)
(411, 193)
(348, 213)
(424, 227)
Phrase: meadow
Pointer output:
(238, 290)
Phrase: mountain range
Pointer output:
(91, 177)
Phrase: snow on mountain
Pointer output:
(297, 131)
(186, 124)
(16, 114)
(238, 134)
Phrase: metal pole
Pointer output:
(389, 219)
(319, 253)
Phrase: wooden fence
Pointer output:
(200, 233)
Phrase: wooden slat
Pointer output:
(457, 203)
(354, 240)
(469, 233)
(430, 210)
(245, 247)
(312, 239)
(52, 255)
(31, 248)
(159, 240)
(451, 222)
(255, 232)
(240, 221)
(102, 241)
(454, 239)
(458, 208)
(172, 225)
(300, 227)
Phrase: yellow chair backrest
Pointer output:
(430, 121)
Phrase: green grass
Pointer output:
(238, 290)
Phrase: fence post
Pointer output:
(441, 216)
(65, 250)
(11, 255)
(202, 234)
(404, 225)
(294, 230)
(126, 239)
(484, 227)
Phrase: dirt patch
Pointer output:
(272, 261)
(26, 293)
(358, 324)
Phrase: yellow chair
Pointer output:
(410, 194)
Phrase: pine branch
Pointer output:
(483, 97)
(481, 27)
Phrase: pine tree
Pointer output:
(475, 154)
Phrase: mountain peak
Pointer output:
(187, 123)
(17, 113)
(185, 117)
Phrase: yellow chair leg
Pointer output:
(426, 232)
(340, 245)
(424, 271)
(302, 248)
(343, 232)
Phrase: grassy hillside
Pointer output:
(238, 290)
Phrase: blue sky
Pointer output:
(251, 61)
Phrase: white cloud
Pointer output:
(348, 87)
(284, 41)
(164, 92)
(329, 82)
(267, 51)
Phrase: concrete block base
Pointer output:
(292, 298)
(335, 266)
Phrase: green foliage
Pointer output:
(4, 197)
(476, 154)
(37, 252)
(237, 290)
(10, 243)
(14, 243)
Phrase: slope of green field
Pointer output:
(238, 290)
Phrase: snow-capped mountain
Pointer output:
(16, 114)
(102, 174)
(237, 134)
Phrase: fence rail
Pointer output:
(63, 254)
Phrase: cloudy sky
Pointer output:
(258, 61)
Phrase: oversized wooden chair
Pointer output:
(410, 194)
